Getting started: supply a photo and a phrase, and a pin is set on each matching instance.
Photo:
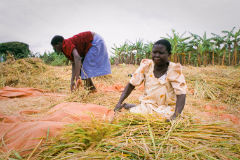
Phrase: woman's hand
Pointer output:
(76, 85)
(173, 117)
(126, 92)
(72, 86)
(118, 107)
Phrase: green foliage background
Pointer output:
(54, 59)
(17, 49)
(187, 49)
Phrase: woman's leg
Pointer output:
(88, 83)
(128, 106)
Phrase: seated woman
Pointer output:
(165, 86)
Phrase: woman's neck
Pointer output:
(161, 66)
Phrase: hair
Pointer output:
(56, 39)
(164, 42)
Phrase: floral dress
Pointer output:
(159, 93)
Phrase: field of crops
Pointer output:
(187, 48)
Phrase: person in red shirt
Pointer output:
(88, 53)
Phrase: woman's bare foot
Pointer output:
(128, 106)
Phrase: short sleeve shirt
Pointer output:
(82, 42)
(163, 90)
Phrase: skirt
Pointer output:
(96, 62)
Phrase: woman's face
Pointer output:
(160, 54)
(58, 47)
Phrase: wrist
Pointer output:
(176, 114)
(120, 102)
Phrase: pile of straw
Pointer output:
(31, 72)
(215, 83)
(145, 137)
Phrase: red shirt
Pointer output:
(82, 42)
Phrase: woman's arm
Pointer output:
(179, 106)
(127, 91)
(76, 66)
(73, 77)
(177, 80)
(77, 62)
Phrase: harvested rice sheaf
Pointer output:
(215, 83)
(30, 72)
(145, 137)
(13, 72)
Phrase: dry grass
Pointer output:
(32, 72)
(144, 137)
(219, 83)
(141, 137)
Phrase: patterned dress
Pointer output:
(159, 93)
